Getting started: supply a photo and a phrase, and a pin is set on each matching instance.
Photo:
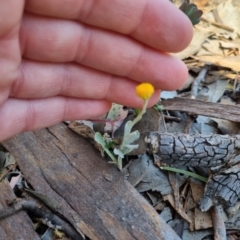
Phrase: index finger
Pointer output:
(157, 23)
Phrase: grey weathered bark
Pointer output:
(178, 149)
(90, 193)
(197, 107)
(222, 188)
(219, 153)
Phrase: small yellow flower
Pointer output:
(145, 90)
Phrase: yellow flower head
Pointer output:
(145, 90)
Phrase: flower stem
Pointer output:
(139, 116)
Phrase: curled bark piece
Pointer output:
(211, 150)
(219, 153)
(222, 188)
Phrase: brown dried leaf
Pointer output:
(230, 44)
(86, 132)
(145, 176)
(226, 126)
(230, 15)
(180, 210)
(200, 35)
(201, 3)
(197, 191)
(82, 129)
(202, 220)
(211, 47)
(232, 62)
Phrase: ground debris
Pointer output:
(68, 169)
(219, 153)
(222, 188)
(14, 227)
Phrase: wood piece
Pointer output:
(193, 106)
(38, 210)
(212, 150)
(91, 194)
(17, 226)
(222, 188)
(219, 153)
(218, 224)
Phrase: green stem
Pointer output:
(139, 116)
(119, 163)
(110, 155)
(191, 174)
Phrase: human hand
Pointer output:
(64, 60)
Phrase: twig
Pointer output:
(34, 207)
(218, 24)
(197, 107)
(172, 118)
(164, 123)
(218, 224)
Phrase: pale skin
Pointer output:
(65, 60)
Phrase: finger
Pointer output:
(24, 115)
(10, 55)
(72, 80)
(55, 40)
(10, 8)
(157, 23)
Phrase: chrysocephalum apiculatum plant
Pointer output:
(144, 91)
